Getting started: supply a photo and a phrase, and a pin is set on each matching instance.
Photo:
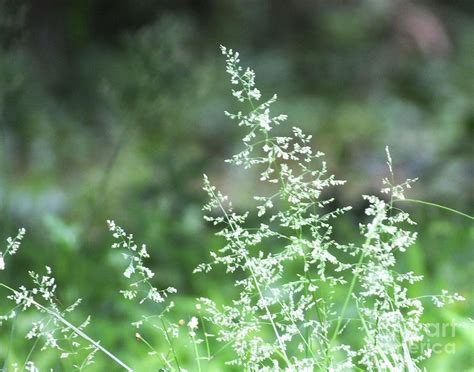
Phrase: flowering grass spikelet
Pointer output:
(302, 300)
(293, 324)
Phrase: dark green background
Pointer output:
(114, 109)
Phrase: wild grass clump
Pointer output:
(288, 313)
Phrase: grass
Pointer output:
(299, 299)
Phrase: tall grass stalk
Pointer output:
(287, 269)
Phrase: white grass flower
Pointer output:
(13, 244)
(136, 268)
(193, 324)
(286, 268)
(297, 222)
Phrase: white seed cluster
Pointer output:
(296, 221)
(288, 269)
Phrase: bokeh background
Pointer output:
(114, 109)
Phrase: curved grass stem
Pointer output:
(436, 206)
(76, 330)
(348, 297)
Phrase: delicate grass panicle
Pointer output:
(288, 313)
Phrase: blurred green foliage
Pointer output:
(114, 109)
